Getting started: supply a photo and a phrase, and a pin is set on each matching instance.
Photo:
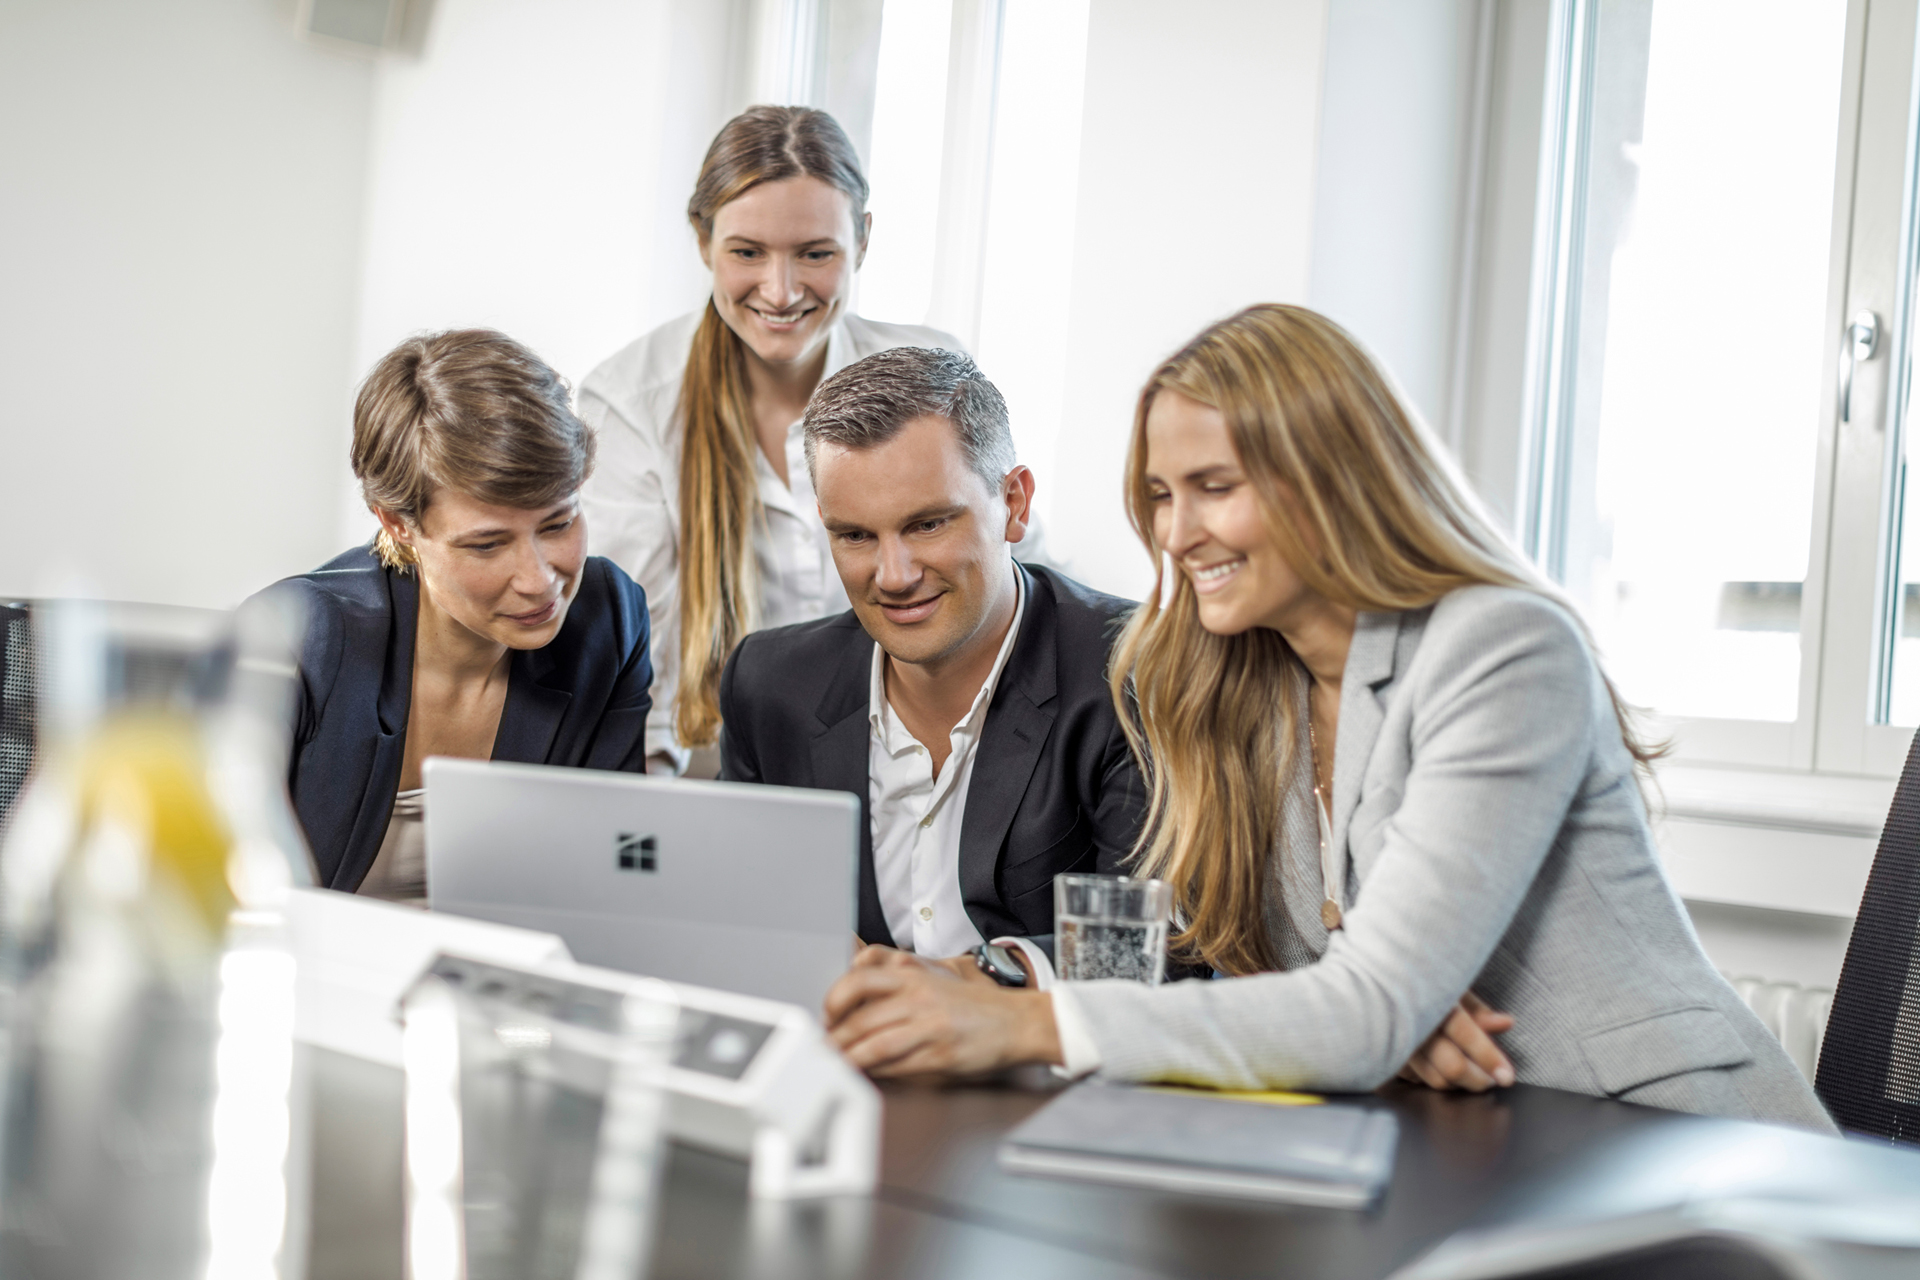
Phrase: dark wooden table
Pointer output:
(945, 1210)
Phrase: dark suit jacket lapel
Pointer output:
(839, 757)
(390, 749)
(1018, 721)
(532, 714)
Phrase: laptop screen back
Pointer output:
(743, 888)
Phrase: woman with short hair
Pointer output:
(1387, 774)
(475, 623)
(702, 493)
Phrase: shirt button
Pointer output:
(927, 821)
(926, 913)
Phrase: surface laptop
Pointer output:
(744, 888)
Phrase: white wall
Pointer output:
(1195, 199)
(179, 243)
(1389, 192)
(530, 172)
(531, 169)
(302, 210)
(212, 229)
(1239, 152)
(1780, 946)
(1027, 254)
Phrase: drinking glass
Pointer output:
(147, 1096)
(1111, 927)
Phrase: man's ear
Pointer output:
(1017, 491)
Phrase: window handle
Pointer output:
(1863, 339)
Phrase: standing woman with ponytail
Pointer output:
(1386, 772)
(702, 491)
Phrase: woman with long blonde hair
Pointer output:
(1387, 775)
(701, 492)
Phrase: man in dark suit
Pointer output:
(964, 697)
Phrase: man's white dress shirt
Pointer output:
(916, 817)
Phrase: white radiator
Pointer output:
(1796, 1015)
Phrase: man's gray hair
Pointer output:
(868, 402)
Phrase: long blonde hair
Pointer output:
(1339, 466)
(719, 493)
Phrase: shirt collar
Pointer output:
(880, 718)
(796, 497)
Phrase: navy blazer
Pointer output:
(580, 701)
(1055, 787)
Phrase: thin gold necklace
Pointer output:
(1330, 914)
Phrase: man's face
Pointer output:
(920, 540)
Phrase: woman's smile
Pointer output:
(1208, 579)
(783, 321)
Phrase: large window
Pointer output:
(909, 128)
(976, 135)
(1712, 466)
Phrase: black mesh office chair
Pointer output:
(1869, 1073)
(19, 685)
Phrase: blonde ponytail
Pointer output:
(719, 492)
(719, 502)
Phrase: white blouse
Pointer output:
(632, 502)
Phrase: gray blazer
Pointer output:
(1497, 843)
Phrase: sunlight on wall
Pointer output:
(1029, 250)
(909, 122)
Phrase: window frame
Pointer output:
(1849, 601)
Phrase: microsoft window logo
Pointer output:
(636, 853)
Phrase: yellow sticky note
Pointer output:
(1271, 1097)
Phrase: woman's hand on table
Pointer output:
(1461, 1054)
(895, 1014)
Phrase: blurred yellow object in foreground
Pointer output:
(144, 774)
(146, 976)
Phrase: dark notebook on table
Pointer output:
(1329, 1155)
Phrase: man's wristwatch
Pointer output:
(999, 963)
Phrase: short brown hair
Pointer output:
(870, 401)
(470, 410)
